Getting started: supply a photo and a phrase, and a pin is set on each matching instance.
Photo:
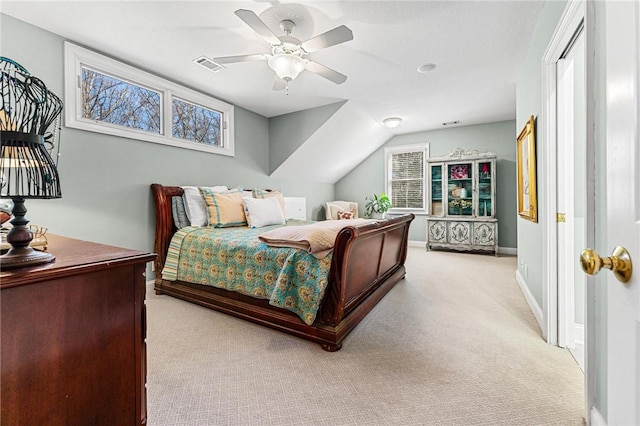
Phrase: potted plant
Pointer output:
(377, 205)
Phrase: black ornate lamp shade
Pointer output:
(27, 170)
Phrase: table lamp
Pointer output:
(27, 170)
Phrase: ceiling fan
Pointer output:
(288, 57)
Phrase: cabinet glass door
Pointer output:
(460, 189)
(436, 190)
(485, 175)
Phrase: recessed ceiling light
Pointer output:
(392, 122)
(426, 68)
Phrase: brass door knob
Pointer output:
(619, 262)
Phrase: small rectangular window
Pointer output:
(114, 101)
(405, 177)
(196, 123)
(106, 96)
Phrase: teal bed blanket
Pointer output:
(235, 259)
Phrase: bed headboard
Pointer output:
(165, 227)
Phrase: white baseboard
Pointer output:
(509, 251)
(150, 285)
(577, 347)
(531, 301)
(578, 334)
(596, 418)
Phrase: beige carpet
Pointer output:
(452, 344)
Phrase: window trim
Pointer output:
(388, 151)
(76, 57)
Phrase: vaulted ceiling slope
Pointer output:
(339, 144)
(477, 48)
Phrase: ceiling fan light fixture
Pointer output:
(392, 122)
(288, 53)
(287, 66)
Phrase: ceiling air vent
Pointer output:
(451, 123)
(208, 64)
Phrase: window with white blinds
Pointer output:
(405, 168)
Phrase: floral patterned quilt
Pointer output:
(235, 259)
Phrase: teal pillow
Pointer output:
(180, 218)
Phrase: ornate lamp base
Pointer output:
(21, 254)
(24, 256)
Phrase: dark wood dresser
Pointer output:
(73, 337)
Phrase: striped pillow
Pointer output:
(224, 209)
(194, 205)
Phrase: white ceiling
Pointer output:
(478, 47)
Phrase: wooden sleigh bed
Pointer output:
(367, 261)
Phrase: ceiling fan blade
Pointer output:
(241, 58)
(279, 84)
(330, 38)
(252, 20)
(326, 72)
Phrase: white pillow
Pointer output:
(194, 205)
(263, 212)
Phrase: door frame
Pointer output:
(576, 13)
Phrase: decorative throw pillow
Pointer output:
(263, 193)
(263, 212)
(179, 214)
(334, 209)
(194, 204)
(224, 208)
(343, 214)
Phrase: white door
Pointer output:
(623, 210)
(571, 194)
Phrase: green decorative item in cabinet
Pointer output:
(460, 205)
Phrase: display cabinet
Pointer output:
(462, 201)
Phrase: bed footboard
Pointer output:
(368, 260)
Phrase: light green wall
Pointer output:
(498, 137)
(105, 180)
(529, 102)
